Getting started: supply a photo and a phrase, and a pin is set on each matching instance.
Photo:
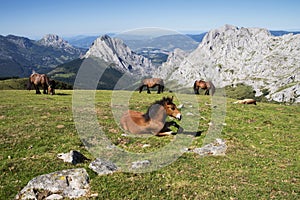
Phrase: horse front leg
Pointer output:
(206, 92)
(45, 88)
(37, 90)
(141, 88)
(196, 90)
(148, 90)
(167, 131)
(158, 89)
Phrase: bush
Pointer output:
(240, 91)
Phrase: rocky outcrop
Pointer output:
(119, 55)
(231, 55)
(171, 65)
(71, 183)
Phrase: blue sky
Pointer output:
(34, 19)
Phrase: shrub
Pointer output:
(240, 91)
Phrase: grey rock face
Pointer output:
(231, 55)
(51, 40)
(114, 51)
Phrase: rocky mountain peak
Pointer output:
(230, 55)
(115, 51)
(55, 41)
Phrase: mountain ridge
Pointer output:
(230, 55)
(19, 56)
(117, 53)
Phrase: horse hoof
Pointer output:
(180, 130)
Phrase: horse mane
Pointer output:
(159, 102)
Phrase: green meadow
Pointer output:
(262, 160)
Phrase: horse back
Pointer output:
(134, 122)
(151, 82)
(132, 117)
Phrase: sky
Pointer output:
(35, 18)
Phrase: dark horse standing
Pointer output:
(207, 86)
(151, 83)
(41, 80)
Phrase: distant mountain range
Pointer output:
(266, 60)
(86, 41)
(19, 56)
(135, 42)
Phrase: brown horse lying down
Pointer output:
(207, 86)
(154, 120)
(246, 101)
(151, 83)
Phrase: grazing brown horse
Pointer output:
(154, 120)
(41, 80)
(207, 86)
(151, 83)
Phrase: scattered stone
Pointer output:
(60, 126)
(180, 106)
(94, 195)
(73, 157)
(146, 145)
(102, 167)
(71, 183)
(217, 148)
(140, 164)
(189, 114)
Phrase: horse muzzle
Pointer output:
(178, 116)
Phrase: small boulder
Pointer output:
(71, 183)
(73, 157)
(140, 164)
(102, 167)
(217, 148)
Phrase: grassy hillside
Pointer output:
(67, 73)
(21, 84)
(261, 162)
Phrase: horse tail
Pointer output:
(196, 88)
(162, 85)
(212, 88)
(29, 84)
(195, 85)
(47, 80)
